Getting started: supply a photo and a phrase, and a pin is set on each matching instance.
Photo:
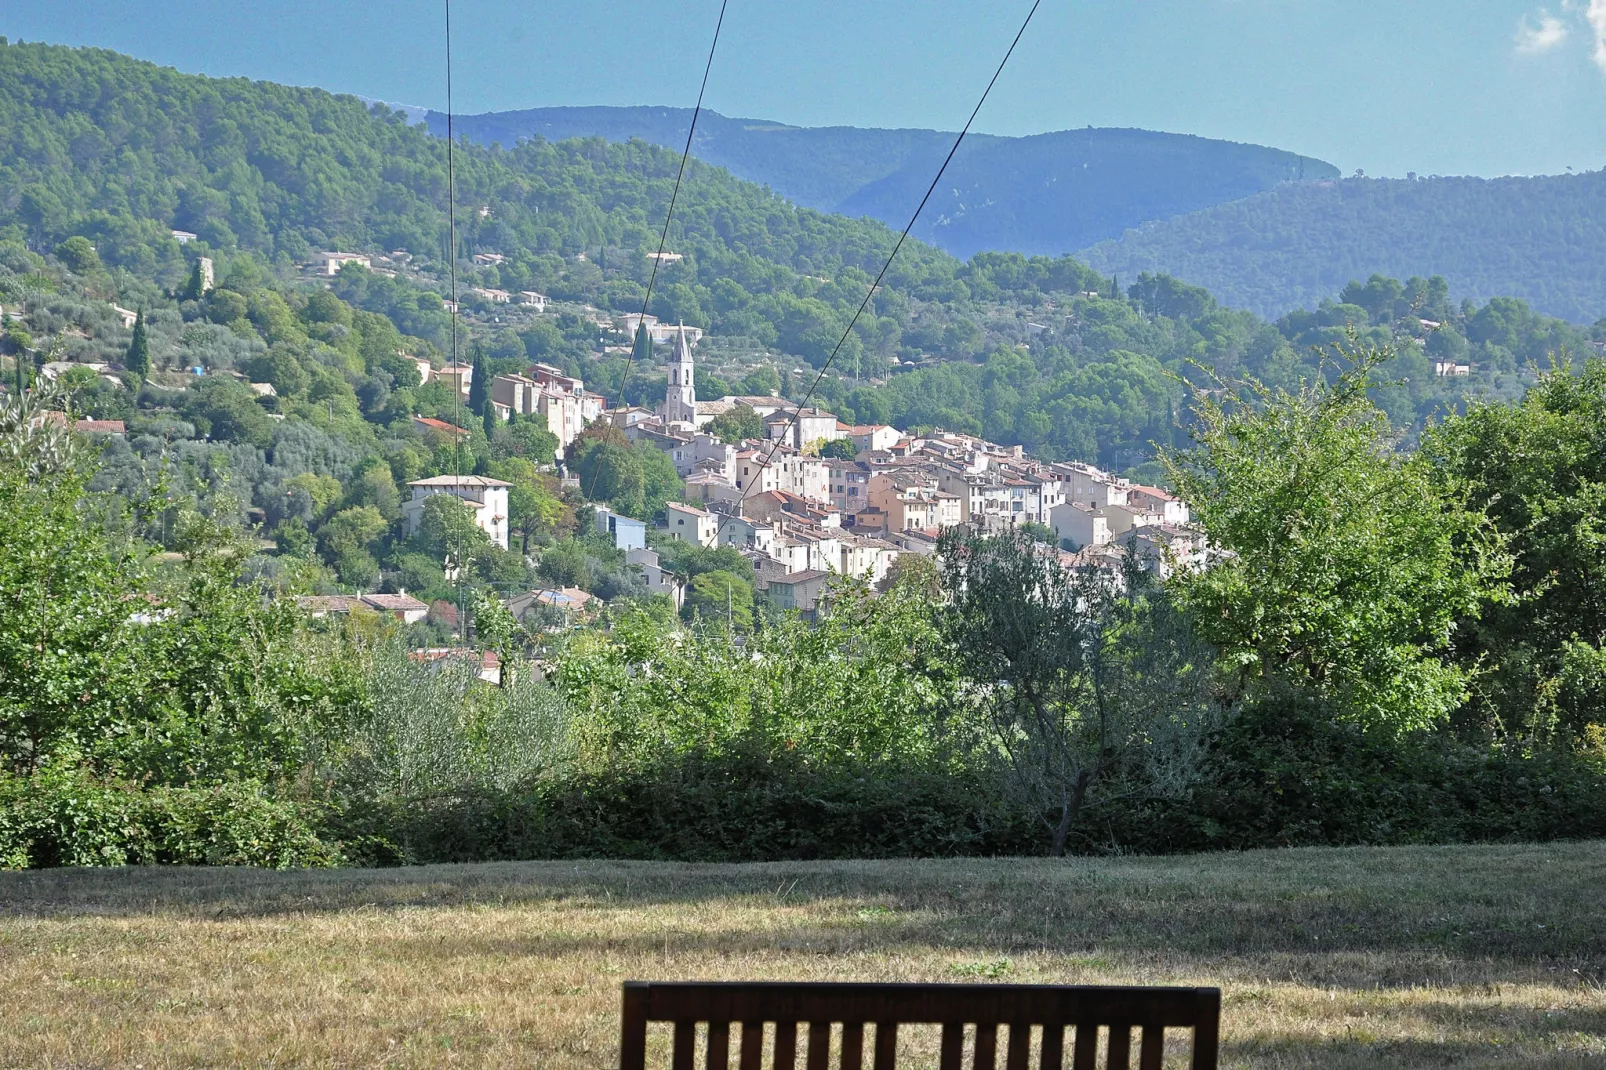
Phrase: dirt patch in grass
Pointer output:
(1410, 957)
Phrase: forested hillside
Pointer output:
(1542, 239)
(113, 153)
(1046, 194)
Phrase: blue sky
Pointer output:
(1434, 86)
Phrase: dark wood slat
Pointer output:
(719, 1046)
(1207, 1022)
(1120, 1048)
(1020, 1046)
(886, 1046)
(785, 1045)
(633, 1028)
(986, 1046)
(685, 1045)
(1151, 1049)
(852, 1045)
(819, 1045)
(1087, 1046)
(752, 1046)
(1053, 1047)
(833, 1002)
(953, 1045)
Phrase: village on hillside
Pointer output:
(813, 501)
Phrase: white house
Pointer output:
(627, 532)
(687, 523)
(659, 580)
(330, 263)
(485, 496)
(1081, 524)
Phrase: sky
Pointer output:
(1482, 87)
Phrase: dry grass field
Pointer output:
(1411, 957)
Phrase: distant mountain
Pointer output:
(1542, 239)
(1046, 194)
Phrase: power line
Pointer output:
(792, 423)
(663, 238)
(457, 368)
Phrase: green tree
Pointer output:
(533, 507)
(1539, 469)
(741, 422)
(138, 357)
(479, 385)
(1095, 688)
(1341, 565)
(720, 596)
(79, 256)
(840, 448)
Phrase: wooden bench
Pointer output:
(815, 1007)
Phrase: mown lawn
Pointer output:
(1409, 957)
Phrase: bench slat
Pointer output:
(752, 1046)
(986, 1046)
(1053, 1047)
(1151, 1049)
(953, 1045)
(1020, 1046)
(852, 1045)
(1120, 1048)
(886, 1046)
(719, 1046)
(785, 1045)
(1087, 1046)
(684, 1045)
(819, 1045)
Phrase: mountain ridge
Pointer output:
(999, 192)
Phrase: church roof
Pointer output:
(682, 350)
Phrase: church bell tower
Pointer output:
(680, 398)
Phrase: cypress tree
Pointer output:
(643, 348)
(490, 420)
(138, 359)
(192, 289)
(479, 391)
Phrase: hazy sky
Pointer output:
(1433, 86)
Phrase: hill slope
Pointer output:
(119, 150)
(1542, 239)
(1046, 194)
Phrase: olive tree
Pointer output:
(1094, 686)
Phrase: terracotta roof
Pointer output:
(394, 602)
(438, 425)
(803, 577)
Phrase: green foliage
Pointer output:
(1539, 471)
(1095, 688)
(1046, 193)
(720, 598)
(1342, 566)
(65, 817)
(1535, 238)
(842, 448)
(635, 478)
(741, 422)
(138, 358)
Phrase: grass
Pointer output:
(1406, 957)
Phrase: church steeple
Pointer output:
(680, 397)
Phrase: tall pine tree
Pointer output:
(138, 359)
(479, 387)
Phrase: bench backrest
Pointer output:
(815, 1007)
